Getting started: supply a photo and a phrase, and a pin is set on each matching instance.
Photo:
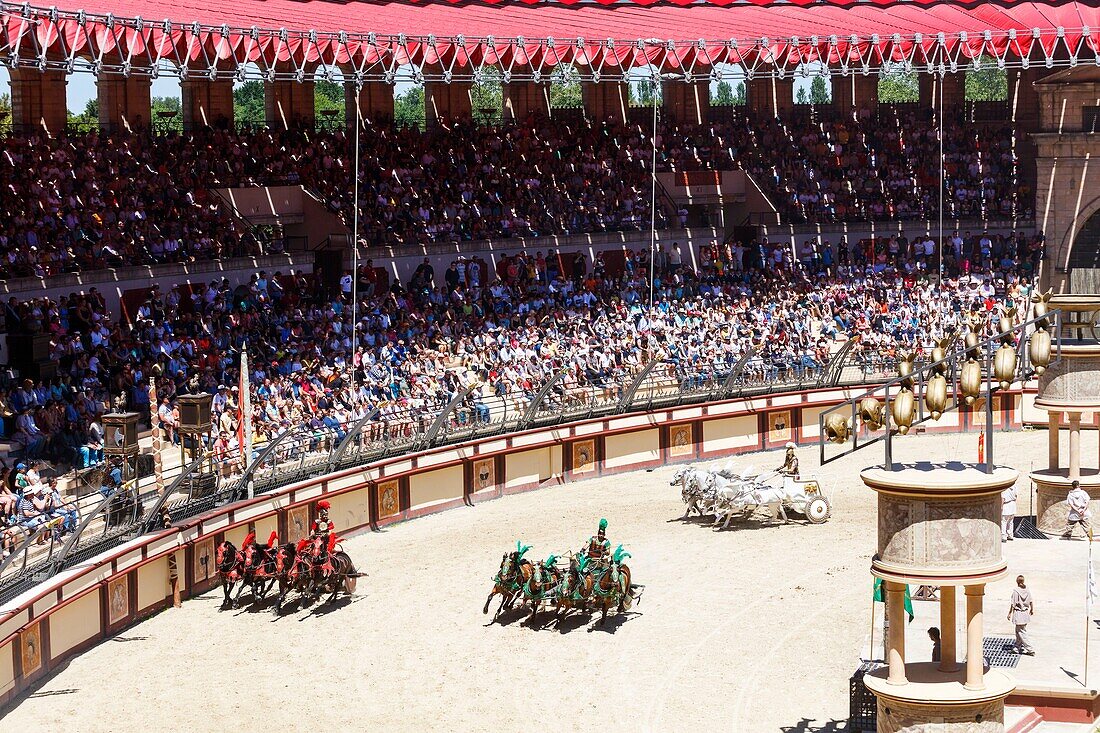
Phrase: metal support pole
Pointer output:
(653, 192)
(939, 126)
(355, 238)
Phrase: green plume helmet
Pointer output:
(603, 525)
(620, 554)
(521, 549)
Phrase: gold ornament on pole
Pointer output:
(970, 376)
(1038, 346)
(838, 428)
(871, 413)
(935, 390)
(903, 407)
(1004, 359)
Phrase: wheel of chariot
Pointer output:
(818, 510)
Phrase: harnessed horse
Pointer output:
(229, 561)
(513, 574)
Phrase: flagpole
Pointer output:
(871, 648)
(1088, 605)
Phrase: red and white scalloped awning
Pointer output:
(295, 36)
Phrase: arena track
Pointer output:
(754, 629)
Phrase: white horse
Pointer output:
(746, 497)
(692, 489)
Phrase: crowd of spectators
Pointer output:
(95, 200)
(494, 330)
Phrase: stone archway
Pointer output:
(1084, 257)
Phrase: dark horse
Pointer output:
(229, 561)
(508, 583)
(258, 568)
(317, 568)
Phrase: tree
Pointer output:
(801, 97)
(408, 107)
(641, 92)
(5, 108)
(89, 117)
(248, 104)
(565, 88)
(897, 86)
(166, 113)
(723, 95)
(328, 96)
(820, 92)
(487, 96)
(987, 84)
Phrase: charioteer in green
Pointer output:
(598, 549)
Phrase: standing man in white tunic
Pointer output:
(1020, 613)
(1079, 514)
(1008, 513)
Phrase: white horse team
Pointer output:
(729, 495)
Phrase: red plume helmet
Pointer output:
(272, 540)
(249, 539)
(323, 505)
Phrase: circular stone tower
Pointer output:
(939, 525)
(1069, 388)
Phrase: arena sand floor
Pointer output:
(752, 629)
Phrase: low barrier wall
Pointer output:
(81, 606)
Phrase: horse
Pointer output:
(512, 575)
(574, 589)
(228, 560)
(326, 568)
(287, 571)
(612, 585)
(258, 571)
(691, 481)
(541, 585)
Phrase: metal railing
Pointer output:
(291, 453)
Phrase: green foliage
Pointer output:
(166, 113)
(487, 96)
(5, 108)
(89, 117)
(817, 93)
(641, 92)
(987, 84)
(897, 86)
(248, 104)
(565, 88)
(408, 107)
(820, 92)
(727, 96)
(328, 96)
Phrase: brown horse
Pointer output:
(541, 586)
(258, 570)
(575, 588)
(229, 561)
(508, 583)
(325, 569)
(612, 588)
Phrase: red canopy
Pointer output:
(292, 37)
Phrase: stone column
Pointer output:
(686, 101)
(289, 104)
(443, 101)
(975, 662)
(524, 98)
(948, 653)
(606, 100)
(895, 643)
(375, 100)
(38, 99)
(1055, 421)
(770, 97)
(205, 102)
(855, 91)
(1074, 446)
(124, 102)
